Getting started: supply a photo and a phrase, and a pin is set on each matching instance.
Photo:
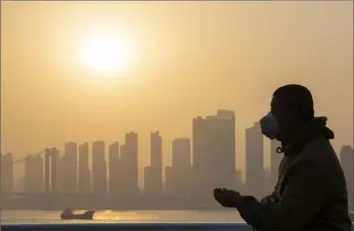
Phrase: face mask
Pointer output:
(269, 126)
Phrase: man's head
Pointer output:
(291, 108)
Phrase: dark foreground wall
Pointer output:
(130, 226)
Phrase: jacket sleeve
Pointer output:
(302, 198)
(272, 198)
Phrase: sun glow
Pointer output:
(106, 53)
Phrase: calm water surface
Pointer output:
(108, 216)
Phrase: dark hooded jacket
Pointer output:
(310, 194)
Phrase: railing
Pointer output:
(130, 226)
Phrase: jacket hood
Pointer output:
(317, 127)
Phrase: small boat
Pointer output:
(68, 214)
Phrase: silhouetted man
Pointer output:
(311, 193)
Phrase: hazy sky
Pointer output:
(186, 59)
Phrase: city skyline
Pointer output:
(200, 163)
(185, 59)
(109, 153)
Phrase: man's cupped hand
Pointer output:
(227, 198)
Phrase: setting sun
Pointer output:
(106, 53)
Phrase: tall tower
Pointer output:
(33, 178)
(54, 169)
(47, 155)
(129, 161)
(70, 165)
(255, 175)
(113, 171)
(84, 170)
(99, 167)
(153, 173)
(51, 156)
(7, 174)
(214, 152)
(178, 176)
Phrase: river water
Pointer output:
(108, 216)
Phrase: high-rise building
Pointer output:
(55, 157)
(129, 165)
(347, 162)
(254, 160)
(153, 173)
(181, 153)
(113, 171)
(7, 174)
(123, 171)
(84, 170)
(60, 172)
(99, 167)
(47, 169)
(214, 152)
(33, 177)
(51, 158)
(178, 176)
(19, 184)
(70, 164)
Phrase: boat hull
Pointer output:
(88, 215)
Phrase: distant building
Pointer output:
(129, 161)
(84, 170)
(19, 184)
(114, 169)
(47, 170)
(238, 179)
(55, 158)
(254, 160)
(347, 162)
(181, 153)
(7, 172)
(99, 168)
(33, 177)
(153, 173)
(51, 157)
(70, 164)
(213, 152)
(179, 175)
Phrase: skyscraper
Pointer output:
(51, 169)
(33, 177)
(47, 169)
(153, 173)
(55, 156)
(129, 161)
(113, 172)
(70, 165)
(346, 159)
(178, 176)
(84, 170)
(7, 174)
(254, 160)
(214, 152)
(99, 167)
(181, 153)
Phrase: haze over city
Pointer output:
(173, 61)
